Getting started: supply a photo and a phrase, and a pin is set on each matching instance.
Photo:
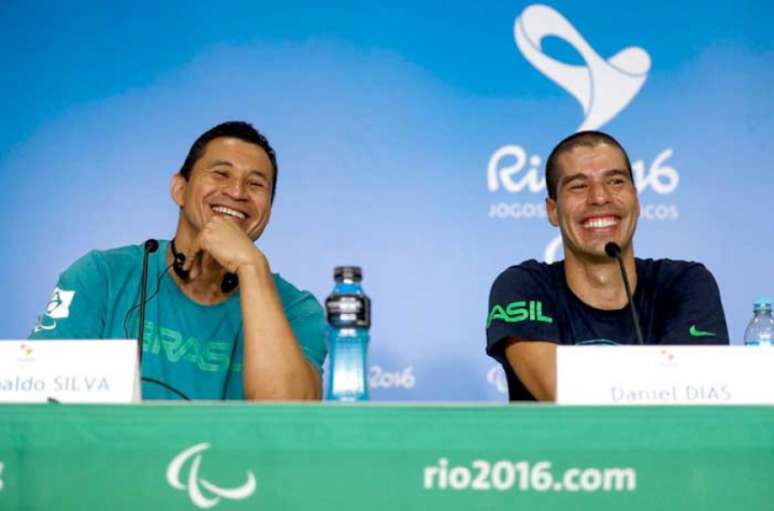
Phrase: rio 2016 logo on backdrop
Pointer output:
(603, 88)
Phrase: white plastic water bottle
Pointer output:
(760, 330)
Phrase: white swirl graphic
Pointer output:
(198, 497)
(551, 253)
(602, 87)
(496, 377)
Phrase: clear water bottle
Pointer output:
(760, 330)
(348, 311)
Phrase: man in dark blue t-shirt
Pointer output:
(582, 300)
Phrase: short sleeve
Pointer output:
(76, 308)
(520, 307)
(692, 310)
(307, 320)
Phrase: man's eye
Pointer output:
(578, 186)
(221, 173)
(256, 184)
(617, 181)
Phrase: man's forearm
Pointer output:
(535, 364)
(274, 366)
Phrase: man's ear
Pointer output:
(177, 188)
(553, 215)
(637, 217)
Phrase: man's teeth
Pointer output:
(600, 223)
(228, 211)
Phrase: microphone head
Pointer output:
(151, 245)
(229, 283)
(612, 249)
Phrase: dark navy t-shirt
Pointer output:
(678, 302)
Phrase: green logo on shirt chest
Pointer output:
(209, 356)
(695, 332)
(514, 312)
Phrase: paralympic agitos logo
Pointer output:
(203, 493)
(603, 88)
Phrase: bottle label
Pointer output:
(348, 311)
(758, 343)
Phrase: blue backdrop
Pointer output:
(411, 140)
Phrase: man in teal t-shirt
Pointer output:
(203, 339)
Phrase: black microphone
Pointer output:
(229, 283)
(149, 247)
(614, 251)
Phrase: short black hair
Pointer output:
(231, 129)
(581, 138)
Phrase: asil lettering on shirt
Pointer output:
(210, 356)
(514, 312)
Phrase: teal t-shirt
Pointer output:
(196, 349)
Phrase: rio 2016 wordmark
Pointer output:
(503, 475)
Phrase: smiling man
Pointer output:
(220, 324)
(534, 306)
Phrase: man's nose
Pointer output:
(598, 193)
(237, 189)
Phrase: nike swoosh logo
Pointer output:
(699, 333)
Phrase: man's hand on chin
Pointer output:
(226, 242)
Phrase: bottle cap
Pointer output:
(354, 273)
(762, 302)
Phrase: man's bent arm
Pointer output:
(534, 362)
(274, 366)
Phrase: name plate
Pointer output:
(93, 371)
(664, 375)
